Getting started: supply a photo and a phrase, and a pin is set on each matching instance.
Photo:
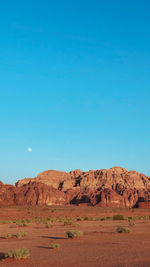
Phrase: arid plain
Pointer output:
(100, 244)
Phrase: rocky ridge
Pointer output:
(115, 187)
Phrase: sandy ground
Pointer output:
(100, 244)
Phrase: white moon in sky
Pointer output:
(29, 149)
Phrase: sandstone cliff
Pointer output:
(115, 187)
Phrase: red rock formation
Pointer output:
(144, 205)
(7, 193)
(115, 187)
(35, 193)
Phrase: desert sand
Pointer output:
(100, 244)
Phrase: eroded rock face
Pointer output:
(144, 205)
(57, 179)
(115, 187)
(7, 193)
(35, 193)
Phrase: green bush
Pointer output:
(8, 236)
(21, 223)
(85, 218)
(30, 220)
(121, 229)
(50, 219)
(21, 253)
(59, 220)
(118, 217)
(73, 234)
(109, 218)
(6, 221)
(92, 219)
(130, 217)
(132, 224)
(68, 221)
(79, 219)
(54, 245)
(21, 234)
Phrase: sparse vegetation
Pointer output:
(68, 221)
(121, 229)
(41, 220)
(130, 218)
(95, 223)
(21, 223)
(86, 218)
(141, 218)
(60, 219)
(102, 219)
(109, 218)
(132, 224)
(118, 217)
(74, 234)
(79, 219)
(21, 253)
(6, 221)
(54, 245)
(7, 236)
(50, 219)
(48, 225)
(21, 234)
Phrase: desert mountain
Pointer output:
(115, 187)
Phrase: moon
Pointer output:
(29, 149)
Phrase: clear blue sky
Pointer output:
(74, 86)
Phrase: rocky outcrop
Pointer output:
(56, 179)
(144, 205)
(115, 187)
(35, 193)
(7, 193)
